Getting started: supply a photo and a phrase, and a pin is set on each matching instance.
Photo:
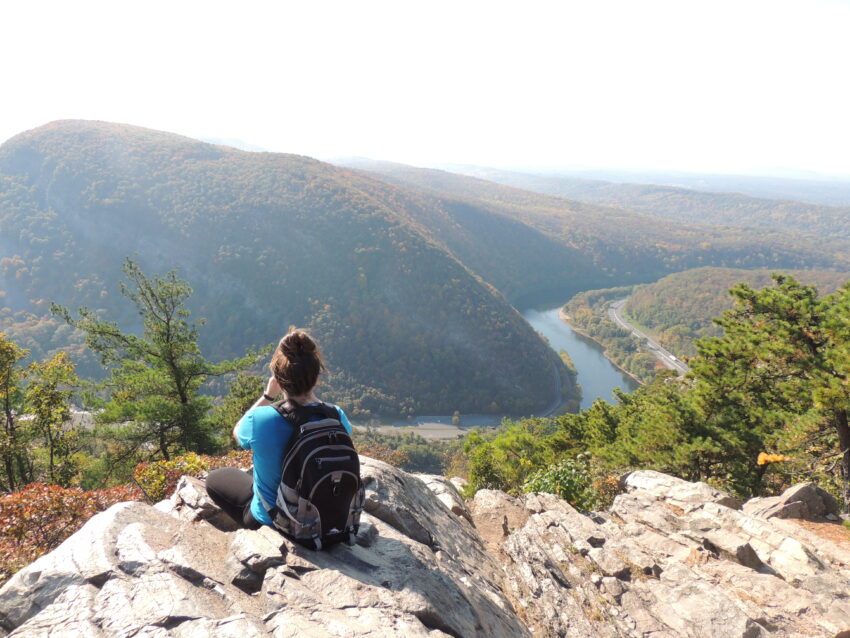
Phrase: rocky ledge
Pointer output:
(670, 558)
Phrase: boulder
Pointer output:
(190, 502)
(447, 493)
(670, 559)
(675, 491)
(804, 500)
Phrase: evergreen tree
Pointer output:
(243, 392)
(783, 360)
(156, 377)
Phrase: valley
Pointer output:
(597, 378)
(409, 277)
(435, 298)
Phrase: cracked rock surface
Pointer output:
(674, 559)
(669, 559)
(180, 569)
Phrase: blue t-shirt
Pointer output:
(266, 432)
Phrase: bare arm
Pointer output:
(272, 390)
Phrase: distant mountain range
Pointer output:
(616, 245)
(799, 186)
(701, 206)
(266, 240)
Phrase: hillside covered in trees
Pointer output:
(266, 241)
(678, 309)
(405, 275)
(675, 311)
(587, 312)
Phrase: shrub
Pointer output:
(570, 479)
(37, 518)
(158, 479)
(606, 488)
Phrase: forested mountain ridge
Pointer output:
(687, 205)
(400, 272)
(679, 308)
(616, 246)
(266, 240)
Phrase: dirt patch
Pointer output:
(830, 530)
(678, 511)
(495, 526)
(494, 521)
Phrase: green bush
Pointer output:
(159, 478)
(570, 479)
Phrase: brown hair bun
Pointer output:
(296, 363)
(297, 344)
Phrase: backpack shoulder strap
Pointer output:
(298, 415)
(328, 411)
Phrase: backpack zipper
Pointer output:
(318, 449)
(310, 437)
(331, 459)
(324, 478)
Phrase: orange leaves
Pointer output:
(383, 453)
(765, 458)
(36, 519)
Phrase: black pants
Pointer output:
(232, 490)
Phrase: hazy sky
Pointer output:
(713, 86)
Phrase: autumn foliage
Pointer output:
(383, 453)
(37, 518)
(765, 458)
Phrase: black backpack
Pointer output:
(320, 496)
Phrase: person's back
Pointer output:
(268, 428)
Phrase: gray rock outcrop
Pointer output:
(135, 570)
(669, 559)
(672, 559)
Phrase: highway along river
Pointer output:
(598, 376)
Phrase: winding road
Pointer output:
(667, 358)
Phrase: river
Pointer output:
(598, 376)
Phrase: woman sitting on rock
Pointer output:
(266, 429)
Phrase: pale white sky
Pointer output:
(706, 86)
